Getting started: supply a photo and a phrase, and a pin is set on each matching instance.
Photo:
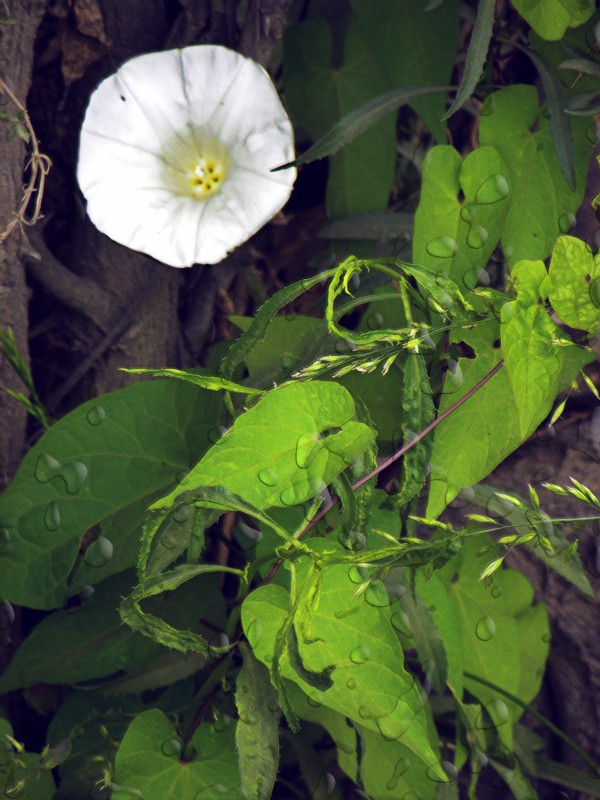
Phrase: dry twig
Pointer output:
(38, 166)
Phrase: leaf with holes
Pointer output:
(355, 636)
(285, 449)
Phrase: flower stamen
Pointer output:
(197, 167)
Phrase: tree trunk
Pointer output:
(16, 58)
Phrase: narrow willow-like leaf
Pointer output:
(419, 412)
(478, 49)
(257, 730)
(584, 65)
(356, 122)
(429, 644)
(165, 670)
(256, 332)
(133, 615)
(564, 775)
(515, 780)
(213, 383)
(560, 127)
(572, 570)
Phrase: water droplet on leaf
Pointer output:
(400, 768)
(74, 474)
(99, 553)
(268, 476)
(485, 629)
(566, 221)
(172, 746)
(376, 595)
(402, 624)
(360, 654)
(492, 190)
(442, 247)
(52, 516)
(96, 415)
(306, 449)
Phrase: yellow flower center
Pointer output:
(196, 167)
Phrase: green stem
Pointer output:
(551, 727)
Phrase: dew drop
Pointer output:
(316, 699)
(454, 377)
(218, 641)
(477, 236)
(393, 726)
(376, 595)
(546, 638)
(360, 654)
(498, 715)
(268, 476)
(478, 762)
(254, 633)
(52, 516)
(485, 629)
(375, 321)
(182, 514)
(325, 784)
(306, 450)
(442, 247)
(566, 222)
(489, 106)
(46, 468)
(449, 769)
(357, 574)
(496, 591)
(96, 415)
(475, 276)
(172, 746)
(168, 541)
(400, 768)
(99, 553)
(402, 624)
(351, 683)
(492, 190)
(355, 540)
(222, 723)
(73, 474)
(292, 494)
(364, 712)
(15, 790)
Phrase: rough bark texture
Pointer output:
(16, 58)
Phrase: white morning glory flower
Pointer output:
(176, 154)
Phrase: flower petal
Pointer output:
(147, 121)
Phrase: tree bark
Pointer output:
(16, 58)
